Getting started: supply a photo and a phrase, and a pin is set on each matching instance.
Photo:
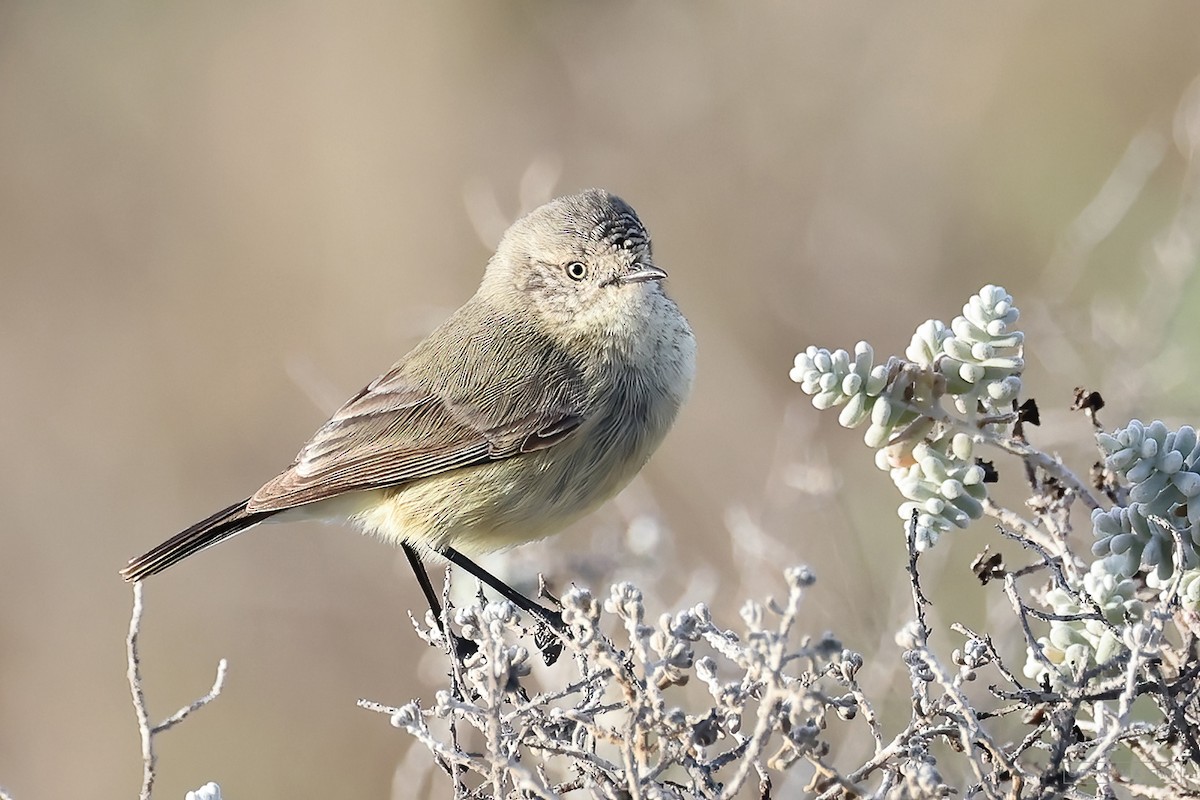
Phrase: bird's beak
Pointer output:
(643, 275)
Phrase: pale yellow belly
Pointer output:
(501, 504)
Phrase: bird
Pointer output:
(532, 404)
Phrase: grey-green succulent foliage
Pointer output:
(1163, 470)
(928, 450)
(1093, 640)
(976, 361)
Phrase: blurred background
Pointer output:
(218, 220)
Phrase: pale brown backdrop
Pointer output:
(219, 219)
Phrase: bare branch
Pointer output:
(146, 730)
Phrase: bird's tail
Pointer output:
(205, 533)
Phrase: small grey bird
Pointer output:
(532, 404)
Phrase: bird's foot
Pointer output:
(463, 648)
(549, 642)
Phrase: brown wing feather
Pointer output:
(416, 421)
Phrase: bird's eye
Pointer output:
(577, 270)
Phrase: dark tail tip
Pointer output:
(206, 533)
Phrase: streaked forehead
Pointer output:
(621, 230)
(600, 217)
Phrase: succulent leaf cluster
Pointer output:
(976, 361)
(980, 356)
(1091, 639)
(1188, 591)
(943, 487)
(1163, 470)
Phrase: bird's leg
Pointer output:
(507, 592)
(549, 644)
(462, 647)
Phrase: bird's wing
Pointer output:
(401, 428)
